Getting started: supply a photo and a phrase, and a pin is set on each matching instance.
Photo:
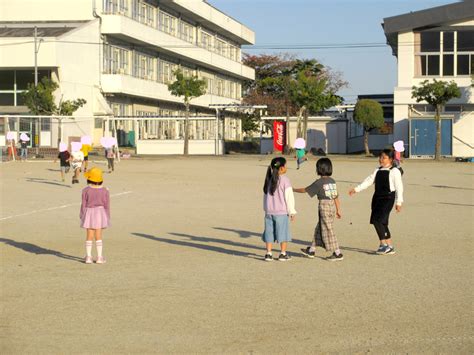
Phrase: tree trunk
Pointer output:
(186, 129)
(305, 126)
(366, 142)
(438, 133)
(299, 131)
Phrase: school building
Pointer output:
(119, 55)
(436, 43)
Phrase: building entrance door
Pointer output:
(423, 137)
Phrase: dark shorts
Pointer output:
(86, 158)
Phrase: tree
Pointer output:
(189, 88)
(40, 101)
(437, 94)
(281, 79)
(369, 114)
(311, 94)
(249, 122)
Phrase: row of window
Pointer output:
(170, 129)
(444, 53)
(143, 66)
(165, 22)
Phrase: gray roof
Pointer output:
(45, 29)
(429, 18)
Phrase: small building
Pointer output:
(436, 43)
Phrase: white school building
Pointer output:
(119, 55)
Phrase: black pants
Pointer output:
(110, 163)
(382, 230)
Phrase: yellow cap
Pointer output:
(94, 175)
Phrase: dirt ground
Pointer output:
(185, 273)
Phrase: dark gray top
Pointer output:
(325, 188)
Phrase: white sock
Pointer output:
(312, 249)
(98, 245)
(88, 247)
(337, 251)
(283, 253)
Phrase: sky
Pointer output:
(315, 22)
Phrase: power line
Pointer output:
(274, 46)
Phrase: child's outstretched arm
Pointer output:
(338, 207)
(290, 202)
(369, 180)
(300, 190)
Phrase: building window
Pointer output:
(98, 122)
(440, 53)
(13, 83)
(167, 23)
(46, 124)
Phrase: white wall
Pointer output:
(46, 10)
(463, 128)
(175, 147)
(79, 76)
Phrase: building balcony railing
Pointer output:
(153, 17)
(129, 85)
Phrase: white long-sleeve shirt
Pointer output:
(395, 179)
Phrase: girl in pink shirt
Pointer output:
(95, 213)
(279, 207)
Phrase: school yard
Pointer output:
(185, 273)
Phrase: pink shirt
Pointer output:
(95, 197)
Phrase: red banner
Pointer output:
(279, 135)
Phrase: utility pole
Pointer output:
(36, 56)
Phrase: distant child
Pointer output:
(388, 191)
(300, 157)
(64, 158)
(95, 213)
(329, 207)
(279, 205)
(399, 148)
(110, 155)
(23, 149)
(85, 149)
(77, 157)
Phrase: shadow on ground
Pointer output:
(35, 249)
(46, 181)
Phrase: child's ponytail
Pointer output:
(272, 177)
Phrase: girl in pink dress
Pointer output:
(95, 213)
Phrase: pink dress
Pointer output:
(95, 208)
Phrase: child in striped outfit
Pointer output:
(278, 204)
(95, 213)
(329, 207)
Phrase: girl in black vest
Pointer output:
(388, 192)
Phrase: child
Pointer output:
(326, 190)
(64, 158)
(399, 148)
(23, 149)
(388, 191)
(110, 155)
(95, 213)
(85, 149)
(278, 204)
(300, 157)
(77, 157)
